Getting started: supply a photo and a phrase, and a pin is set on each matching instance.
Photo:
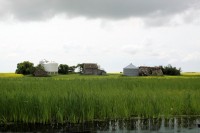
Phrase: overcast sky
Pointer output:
(112, 33)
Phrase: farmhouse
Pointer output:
(92, 69)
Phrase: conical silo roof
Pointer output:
(131, 66)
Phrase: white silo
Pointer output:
(50, 66)
(131, 70)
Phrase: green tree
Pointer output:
(71, 69)
(80, 67)
(63, 69)
(25, 68)
(169, 70)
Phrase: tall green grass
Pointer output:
(76, 98)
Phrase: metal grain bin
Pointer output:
(131, 70)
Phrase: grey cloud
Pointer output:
(192, 16)
(158, 21)
(111, 9)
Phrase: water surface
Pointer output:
(135, 125)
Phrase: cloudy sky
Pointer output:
(112, 33)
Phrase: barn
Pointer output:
(92, 69)
(131, 70)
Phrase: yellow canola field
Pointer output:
(191, 74)
(10, 75)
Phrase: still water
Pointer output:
(136, 125)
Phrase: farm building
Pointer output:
(150, 71)
(92, 69)
(50, 67)
(131, 70)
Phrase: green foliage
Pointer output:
(75, 98)
(71, 69)
(63, 69)
(39, 67)
(169, 70)
(80, 67)
(25, 68)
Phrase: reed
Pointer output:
(75, 98)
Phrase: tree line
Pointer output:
(27, 68)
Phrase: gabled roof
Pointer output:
(90, 65)
(131, 66)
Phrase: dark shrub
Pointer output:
(169, 70)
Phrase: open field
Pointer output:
(191, 74)
(10, 75)
(78, 98)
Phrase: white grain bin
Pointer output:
(50, 66)
(131, 70)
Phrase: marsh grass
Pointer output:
(75, 98)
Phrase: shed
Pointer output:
(131, 70)
(150, 71)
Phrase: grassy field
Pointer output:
(78, 98)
